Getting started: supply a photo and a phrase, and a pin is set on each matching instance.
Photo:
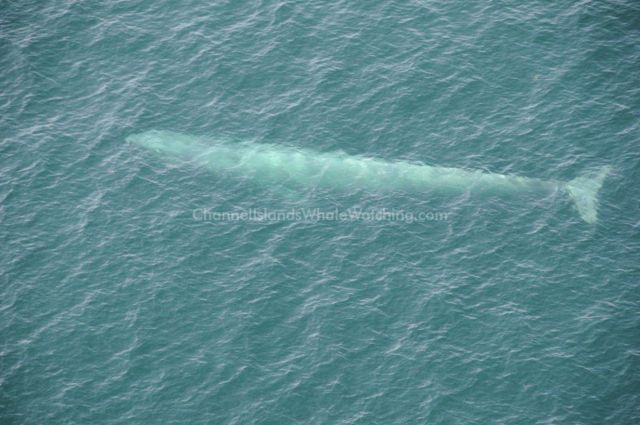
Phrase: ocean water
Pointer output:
(127, 296)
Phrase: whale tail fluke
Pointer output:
(584, 192)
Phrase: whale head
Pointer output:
(167, 143)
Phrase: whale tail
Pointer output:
(583, 191)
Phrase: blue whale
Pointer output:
(274, 163)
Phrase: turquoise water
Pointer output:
(121, 301)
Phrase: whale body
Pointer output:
(274, 163)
